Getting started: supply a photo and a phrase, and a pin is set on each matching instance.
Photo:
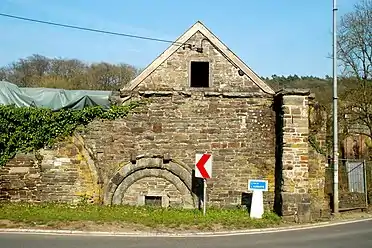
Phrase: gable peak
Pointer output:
(199, 26)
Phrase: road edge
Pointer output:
(180, 234)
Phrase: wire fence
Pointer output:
(355, 183)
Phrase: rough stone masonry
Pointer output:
(148, 157)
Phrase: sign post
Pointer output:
(205, 196)
(203, 169)
(257, 207)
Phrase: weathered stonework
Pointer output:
(173, 74)
(136, 175)
(350, 200)
(295, 144)
(317, 180)
(318, 163)
(20, 179)
(61, 174)
(153, 186)
(237, 131)
(295, 199)
(251, 134)
(301, 161)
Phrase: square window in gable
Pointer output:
(199, 74)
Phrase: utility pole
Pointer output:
(335, 123)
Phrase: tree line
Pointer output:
(40, 71)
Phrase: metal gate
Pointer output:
(353, 183)
(356, 176)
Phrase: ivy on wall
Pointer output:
(318, 124)
(26, 129)
(315, 144)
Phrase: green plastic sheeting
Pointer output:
(52, 98)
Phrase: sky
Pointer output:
(282, 37)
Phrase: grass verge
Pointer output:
(55, 215)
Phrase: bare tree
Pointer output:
(111, 77)
(356, 110)
(355, 57)
(355, 42)
(40, 71)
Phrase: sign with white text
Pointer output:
(261, 185)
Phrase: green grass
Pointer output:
(50, 214)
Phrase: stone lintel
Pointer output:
(211, 94)
(241, 95)
(297, 92)
(134, 157)
(188, 93)
(156, 93)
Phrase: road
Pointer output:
(348, 235)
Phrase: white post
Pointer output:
(205, 197)
(257, 204)
(257, 207)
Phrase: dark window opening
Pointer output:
(153, 200)
(199, 74)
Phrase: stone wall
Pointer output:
(318, 163)
(152, 151)
(233, 119)
(302, 167)
(237, 130)
(295, 199)
(173, 74)
(320, 206)
(20, 179)
(156, 168)
(350, 200)
(63, 173)
(153, 186)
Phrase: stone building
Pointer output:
(200, 97)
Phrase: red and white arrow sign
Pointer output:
(203, 165)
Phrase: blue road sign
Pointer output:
(257, 185)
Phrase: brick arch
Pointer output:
(149, 167)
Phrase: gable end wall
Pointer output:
(173, 73)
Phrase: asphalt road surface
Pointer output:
(356, 235)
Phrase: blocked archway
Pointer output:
(151, 177)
